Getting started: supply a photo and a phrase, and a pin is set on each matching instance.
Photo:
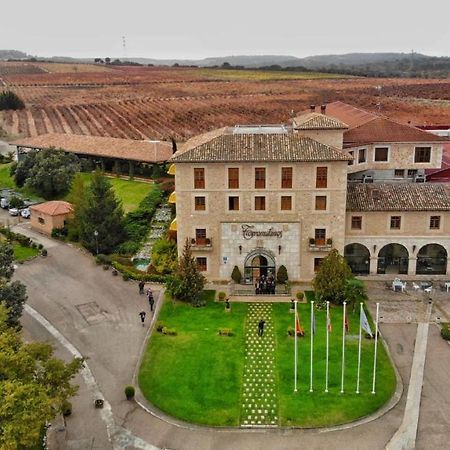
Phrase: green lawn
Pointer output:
(22, 253)
(197, 375)
(130, 192)
(6, 181)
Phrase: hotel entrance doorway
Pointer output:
(258, 264)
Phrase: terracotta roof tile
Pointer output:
(260, 147)
(53, 208)
(317, 121)
(386, 130)
(398, 197)
(129, 149)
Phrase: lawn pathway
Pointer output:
(259, 403)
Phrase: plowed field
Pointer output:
(158, 103)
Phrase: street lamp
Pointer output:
(96, 240)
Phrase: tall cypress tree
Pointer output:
(100, 217)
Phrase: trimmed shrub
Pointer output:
(40, 246)
(169, 331)
(44, 252)
(225, 332)
(129, 392)
(282, 275)
(300, 296)
(160, 326)
(291, 331)
(236, 275)
(66, 408)
(222, 296)
(445, 332)
(135, 274)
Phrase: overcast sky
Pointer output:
(201, 28)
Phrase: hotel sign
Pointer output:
(249, 232)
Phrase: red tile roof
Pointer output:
(53, 208)
(382, 129)
(352, 116)
(317, 121)
(128, 149)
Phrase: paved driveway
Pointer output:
(98, 313)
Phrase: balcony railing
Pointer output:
(203, 244)
(320, 245)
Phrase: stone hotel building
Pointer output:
(258, 197)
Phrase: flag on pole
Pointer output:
(298, 326)
(346, 324)
(364, 323)
(313, 321)
(329, 326)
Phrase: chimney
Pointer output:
(323, 109)
(312, 108)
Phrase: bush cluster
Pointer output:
(10, 100)
(169, 331)
(137, 222)
(132, 273)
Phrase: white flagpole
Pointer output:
(312, 346)
(295, 346)
(375, 352)
(328, 343)
(343, 348)
(359, 347)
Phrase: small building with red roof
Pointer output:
(45, 217)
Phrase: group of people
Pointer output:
(265, 285)
(151, 300)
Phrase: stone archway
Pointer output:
(358, 258)
(432, 260)
(393, 259)
(259, 262)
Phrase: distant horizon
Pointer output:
(287, 55)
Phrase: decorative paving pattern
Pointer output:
(259, 389)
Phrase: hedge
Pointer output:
(135, 274)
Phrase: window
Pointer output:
(351, 153)
(356, 222)
(321, 177)
(41, 220)
(422, 154)
(199, 178)
(286, 202)
(396, 222)
(361, 155)
(381, 154)
(320, 236)
(260, 178)
(286, 177)
(412, 173)
(260, 203)
(200, 236)
(200, 203)
(233, 203)
(399, 173)
(435, 222)
(233, 178)
(321, 202)
(202, 264)
(317, 262)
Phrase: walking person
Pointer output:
(142, 315)
(261, 324)
(141, 287)
(151, 301)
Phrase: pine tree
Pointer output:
(188, 282)
(282, 274)
(100, 217)
(76, 197)
(331, 278)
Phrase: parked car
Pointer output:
(13, 211)
(25, 213)
(4, 202)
